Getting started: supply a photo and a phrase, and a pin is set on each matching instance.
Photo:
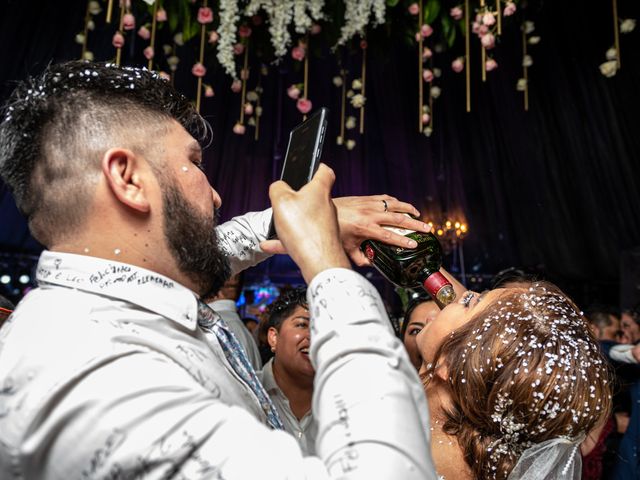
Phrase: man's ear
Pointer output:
(124, 173)
(272, 338)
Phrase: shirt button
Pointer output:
(189, 316)
(299, 434)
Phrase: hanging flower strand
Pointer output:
(244, 76)
(149, 52)
(118, 37)
(421, 72)
(87, 19)
(205, 16)
(363, 47)
(109, 11)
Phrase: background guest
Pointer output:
(420, 311)
(288, 375)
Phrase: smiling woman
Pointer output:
(513, 377)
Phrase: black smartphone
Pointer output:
(303, 154)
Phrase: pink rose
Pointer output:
(363, 44)
(208, 91)
(418, 37)
(509, 9)
(414, 9)
(238, 49)
(426, 30)
(244, 31)
(456, 13)
(248, 109)
(293, 92)
(315, 29)
(488, 19)
(488, 41)
(427, 75)
(148, 53)
(475, 27)
(161, 15)
(304, 105)
(482, 29)
(213, 37)
(256, 20)
(298, 53)
(457, 65)
(425, 118)
(236, 86)
(426, 53)
(479, 17)
(128, 22)
(239, 129)
(490, 64)
(199, 70)
(244, 74)
(143, 32)
(165, 76)
(118, 40)
(205, 15)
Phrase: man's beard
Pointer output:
(193, 241)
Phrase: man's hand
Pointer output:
(362, 218)
(307, 224)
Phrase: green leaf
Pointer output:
(431, 11)
(448, 30)
(392, 3)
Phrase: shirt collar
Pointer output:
(268, 380)
(139, 286)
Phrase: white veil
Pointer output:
(558, 458)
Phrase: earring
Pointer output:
(273, 349)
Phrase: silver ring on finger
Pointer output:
(386, 206)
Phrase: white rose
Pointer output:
(427, 131)
(350, 123)
(252, 96)
(627, 25)
(350, 144)
(358, 100)
(527, 61)
(337, 81)
(534, 40)
(609, 69)
(88, 56)
(94, 7)
(521, 86)
(435, 91)
(612, 54)
(356, 84)
(529, 27)
(80, 38)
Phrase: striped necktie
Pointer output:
(211, 322)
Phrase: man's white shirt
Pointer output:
(104, 373)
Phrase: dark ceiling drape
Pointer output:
(555, 188)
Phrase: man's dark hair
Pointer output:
(600, 315)
(634, 312)
(285, 304)
(55, 129)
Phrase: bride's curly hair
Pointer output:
(524, 370)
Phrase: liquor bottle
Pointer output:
(412, 267)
